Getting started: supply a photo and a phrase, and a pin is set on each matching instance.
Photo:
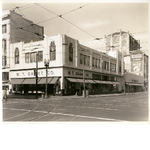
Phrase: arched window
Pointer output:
(52, 51)
(16, 56)
(71, 52)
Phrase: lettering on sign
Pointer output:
(135, 81)
(77, 73)
(33, 46)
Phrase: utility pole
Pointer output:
(36, 73)
(46, 62)
(84, 83)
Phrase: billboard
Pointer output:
(137, 57)
(136, 66)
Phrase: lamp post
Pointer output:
(84, 82)
(36, 73)
(83, 77)
(46, 63)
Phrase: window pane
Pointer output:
(32, 57)
(52, 51)
(27, 58)
(4, 29)
(4, 61)
(16, 56)
(40, 58)
(80, 58)
(4, 45)
(88, 60)
(71, 52)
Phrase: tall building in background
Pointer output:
(15, 28)
(121, 41)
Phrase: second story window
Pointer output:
(81, 58)
(4, 45)
(4, 28)
(71, 52)
(120, 66)
(16, 56)
(27, 58)
(4, 61)
(33, 57)
(52, 51)
(40, 56)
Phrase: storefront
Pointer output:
(26, 81)
(133, 83)
(94, 83)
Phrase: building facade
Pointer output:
(69, 64)
(15, 28)
(121, 41)
(133, 82)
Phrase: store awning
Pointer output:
(29, 81)
(116, 83)
(81, 80)
(101, 82)
(90, 81)
(43, 80)
(97, 81)
(17, 81)
(104, 82)
(109, 82)
(53, 81)
(72, 80)
(135, 84)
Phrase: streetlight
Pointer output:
(46, 62)
(83, 75)
(84, 83)
(36, 74)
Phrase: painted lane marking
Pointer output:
(16, 116)
(17, 109)
(87, 117)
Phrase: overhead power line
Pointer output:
(57, 14)
(31, 24)
(66, 20)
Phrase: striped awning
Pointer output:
(116, 83)
(109, 82)
(72, 80)
(43, 80)
(90, 81)
(17, 81)
(53, 81)
(29, 81)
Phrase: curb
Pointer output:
(71, 97)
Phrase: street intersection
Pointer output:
(131, 107)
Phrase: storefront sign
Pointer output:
(136, 66)
(77, 73)
(30, 73)
(137, 57)
(32, 46)
(135, 81)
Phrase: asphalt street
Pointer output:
(114, 108)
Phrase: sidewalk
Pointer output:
(29, 96)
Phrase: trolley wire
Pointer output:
(65, 20)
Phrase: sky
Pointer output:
(88, 20)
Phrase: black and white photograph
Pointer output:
(75, 62)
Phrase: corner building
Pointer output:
(67, 61)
